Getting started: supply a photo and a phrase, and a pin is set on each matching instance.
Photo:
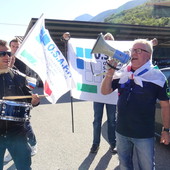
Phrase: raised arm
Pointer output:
(106, 86)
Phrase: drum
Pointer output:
(15, 111)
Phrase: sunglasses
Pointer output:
(4, 53)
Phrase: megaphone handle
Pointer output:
(113, 67)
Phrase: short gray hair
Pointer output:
(148, 44)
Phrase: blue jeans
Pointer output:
(143, 149)
(19, 149)
(111, 122)
(30, 134)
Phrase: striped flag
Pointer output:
(31, 82)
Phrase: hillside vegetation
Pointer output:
(141, 15)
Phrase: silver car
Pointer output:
(158, 119)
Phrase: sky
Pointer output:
(16, 14)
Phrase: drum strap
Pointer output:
(14, 78)
(16, 82)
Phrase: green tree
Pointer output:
(141, 15)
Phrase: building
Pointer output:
(161, 9)
(91, 30)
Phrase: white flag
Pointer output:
(84, 72)
(39, 52)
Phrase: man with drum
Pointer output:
(14, 113)
(20, 66)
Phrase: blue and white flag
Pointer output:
(40, 53)
(84, 70)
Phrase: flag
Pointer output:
(31, 82)
(84, 70)
(40, 53)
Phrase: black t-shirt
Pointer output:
(136, 107)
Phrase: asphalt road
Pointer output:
(65, 145)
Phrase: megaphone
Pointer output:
(103, 48)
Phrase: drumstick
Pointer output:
(21, 97)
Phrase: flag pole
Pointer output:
(65, 37)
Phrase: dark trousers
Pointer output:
(18, 148)
(111, 122)
(30, 134)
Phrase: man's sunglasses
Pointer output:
(4, 53)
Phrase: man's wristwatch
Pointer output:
(165, 129)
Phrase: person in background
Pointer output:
(20, 66)
(13, 135)
(139, 86)
(111, 119)
(14, 45)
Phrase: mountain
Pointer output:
(101, 16)
(84, 17)
(128, 5)
(143, 15)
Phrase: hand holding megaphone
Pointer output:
(111, 64)
(103, 48)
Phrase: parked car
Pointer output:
(158, 119)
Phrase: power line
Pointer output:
(22, 25)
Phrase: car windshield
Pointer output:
(166, 72)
